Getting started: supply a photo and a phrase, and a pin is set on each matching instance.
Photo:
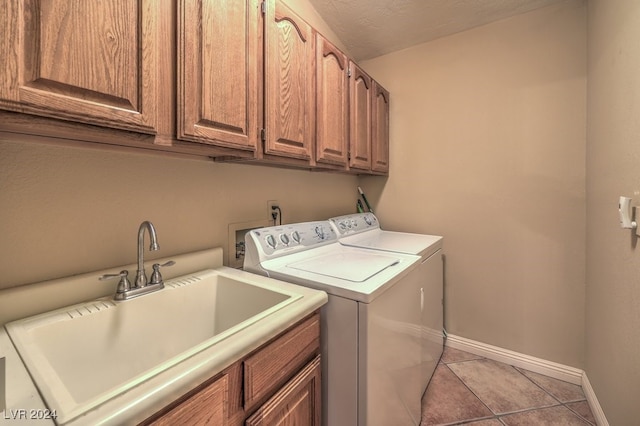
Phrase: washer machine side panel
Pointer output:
(339, 341)
(390, 355)
(432, 315)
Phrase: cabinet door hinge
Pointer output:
(349, 72)
(263, 7)
(263, 135)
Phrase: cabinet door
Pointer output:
(289, 83)
(275, 363)
(297, 403)
(360, 90)
(332, 103)
(87, 61)
(380, 130)
(218, 72)
(206, 406)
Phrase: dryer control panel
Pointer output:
(287, 239)
(354, 223)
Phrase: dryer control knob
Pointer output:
(296, 236)
(285, 239)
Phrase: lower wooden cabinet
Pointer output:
(278, 383)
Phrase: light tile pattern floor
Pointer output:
(472, 390)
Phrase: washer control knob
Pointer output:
(296, 236)
(320, 232)
(271, 241)
(343, 226)
(368, 220)
(285, 239)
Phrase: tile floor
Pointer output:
(472, 390)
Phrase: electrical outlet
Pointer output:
(270, 211)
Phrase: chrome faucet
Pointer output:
(141, 286)
(141, 276)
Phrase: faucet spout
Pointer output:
(141, 277)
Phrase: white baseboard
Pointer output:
(537, 365)
(596, 409)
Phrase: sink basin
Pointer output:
(83, 355)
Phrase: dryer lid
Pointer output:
(398, 242)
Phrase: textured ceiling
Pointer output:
(371, 28)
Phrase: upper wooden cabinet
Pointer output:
(219, 73)
(380, 130)
(332, 104)
(360, 95)
(236, 80)
(86, 61)
(289, 83)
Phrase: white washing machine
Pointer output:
(370, 327)
(363, 230)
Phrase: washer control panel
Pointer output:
(292, 238)
(354, 223)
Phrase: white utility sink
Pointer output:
(86, 354)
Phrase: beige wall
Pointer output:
(613, 169)
(66, 210)
(488, 149)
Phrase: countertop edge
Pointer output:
(23, 402)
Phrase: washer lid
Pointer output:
(294, 268)
(355, 267)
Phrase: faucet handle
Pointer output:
(123, 285)
(156, 277)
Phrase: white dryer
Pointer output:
(370, 327)
(363, 230)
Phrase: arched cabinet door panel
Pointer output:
(289, 83)
(380, 130)
(332, 104)
(360, 95)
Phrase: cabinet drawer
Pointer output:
(271, 367)
(209, 405)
